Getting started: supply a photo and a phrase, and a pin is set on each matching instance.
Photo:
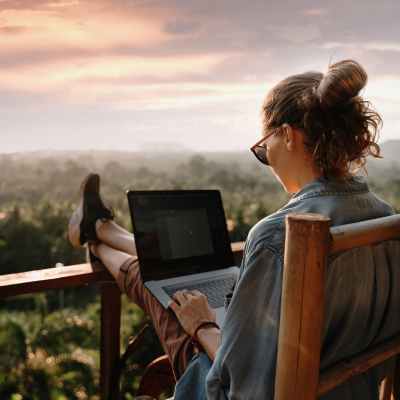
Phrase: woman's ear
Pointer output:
(290, 137)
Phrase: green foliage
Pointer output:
(76, 379)
(63, 331)
(49, 342)
(13, 349)
(36, 384)
(35, 237)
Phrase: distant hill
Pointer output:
(388, 167)
(391, 150)
(157, 160)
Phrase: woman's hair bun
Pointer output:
(343, 81)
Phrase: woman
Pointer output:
(317, 131)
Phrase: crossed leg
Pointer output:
(117, 251)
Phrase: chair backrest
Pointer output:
(309, 242)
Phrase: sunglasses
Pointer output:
(260, 150)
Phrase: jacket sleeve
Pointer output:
(244, 367)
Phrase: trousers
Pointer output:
(176, 343)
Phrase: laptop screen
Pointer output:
(179, 232)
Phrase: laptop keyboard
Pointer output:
(215, 290)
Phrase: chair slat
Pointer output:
(364, 233)
(344, 370)
(300, 331)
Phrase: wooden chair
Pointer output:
(309, 241)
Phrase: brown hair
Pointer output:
(340, 127)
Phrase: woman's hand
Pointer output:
(191, 308)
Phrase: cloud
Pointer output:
(60, 73)
(181, 27)
(374, 45)
(46, 31)
(21, 4)
(315, 12)
(184, 96)
(296, 34)
(12, 30)
(36, 4)
(152, 60)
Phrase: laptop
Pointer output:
(182, 242)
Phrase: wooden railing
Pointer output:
(79, 275)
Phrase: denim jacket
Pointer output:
(361, 301)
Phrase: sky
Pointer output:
(177, 74)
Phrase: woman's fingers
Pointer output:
(191, 308)
(184, 296)
(180, 296)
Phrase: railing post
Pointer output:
(110, 340)
(237, 249)
(302, 307)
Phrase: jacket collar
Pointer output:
(324, 186)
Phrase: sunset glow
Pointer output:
(193, 67)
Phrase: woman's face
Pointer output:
(290, 160)
(283, 150)
(272, 150)
(278, 154)
(259, 149)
